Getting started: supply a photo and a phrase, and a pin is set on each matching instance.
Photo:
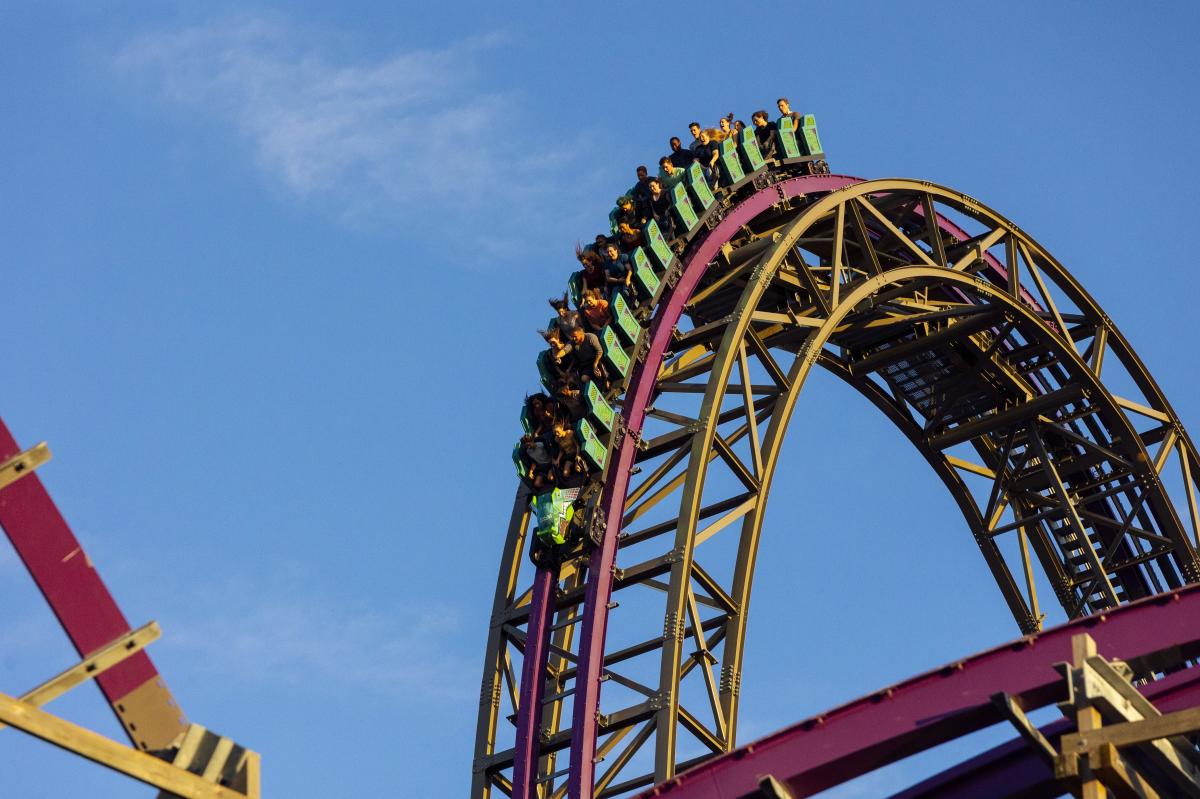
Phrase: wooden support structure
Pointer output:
(1139, 753)
(199, 765)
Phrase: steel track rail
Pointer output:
(954, 700)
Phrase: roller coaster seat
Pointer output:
(730, 163)
(752, 159)
(701, 192)
(685, 214)
(799, 143)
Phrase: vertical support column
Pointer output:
(1087, 717)
(533, 684)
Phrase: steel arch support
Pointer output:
(702, 442)
(878, 215)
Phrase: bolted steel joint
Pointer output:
(675, 555)
(673, 274)
(731, 680)
(673, 627)
(597, 526)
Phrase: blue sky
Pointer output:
(272, 277)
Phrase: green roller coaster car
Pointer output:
(800, 142)
(555, 512)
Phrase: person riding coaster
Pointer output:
(565, 446)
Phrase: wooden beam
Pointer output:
(1032, 735)
(108, 753)
(1183, 722)
(1106, 763)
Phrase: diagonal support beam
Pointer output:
(99, 662)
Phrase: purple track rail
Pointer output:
(932, 708)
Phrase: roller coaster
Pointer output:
(1068, 464)
(631, 547)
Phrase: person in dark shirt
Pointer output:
(766, 134)
(641, 190)
(538, 443)
(569, 461)
(629, 221)
(558, 351)
(680, 157)
(569, 397)
(707, 153)
(660, 208)
(620, 272)
(593, 275)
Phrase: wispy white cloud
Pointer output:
(285, 632)
(408, 136)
